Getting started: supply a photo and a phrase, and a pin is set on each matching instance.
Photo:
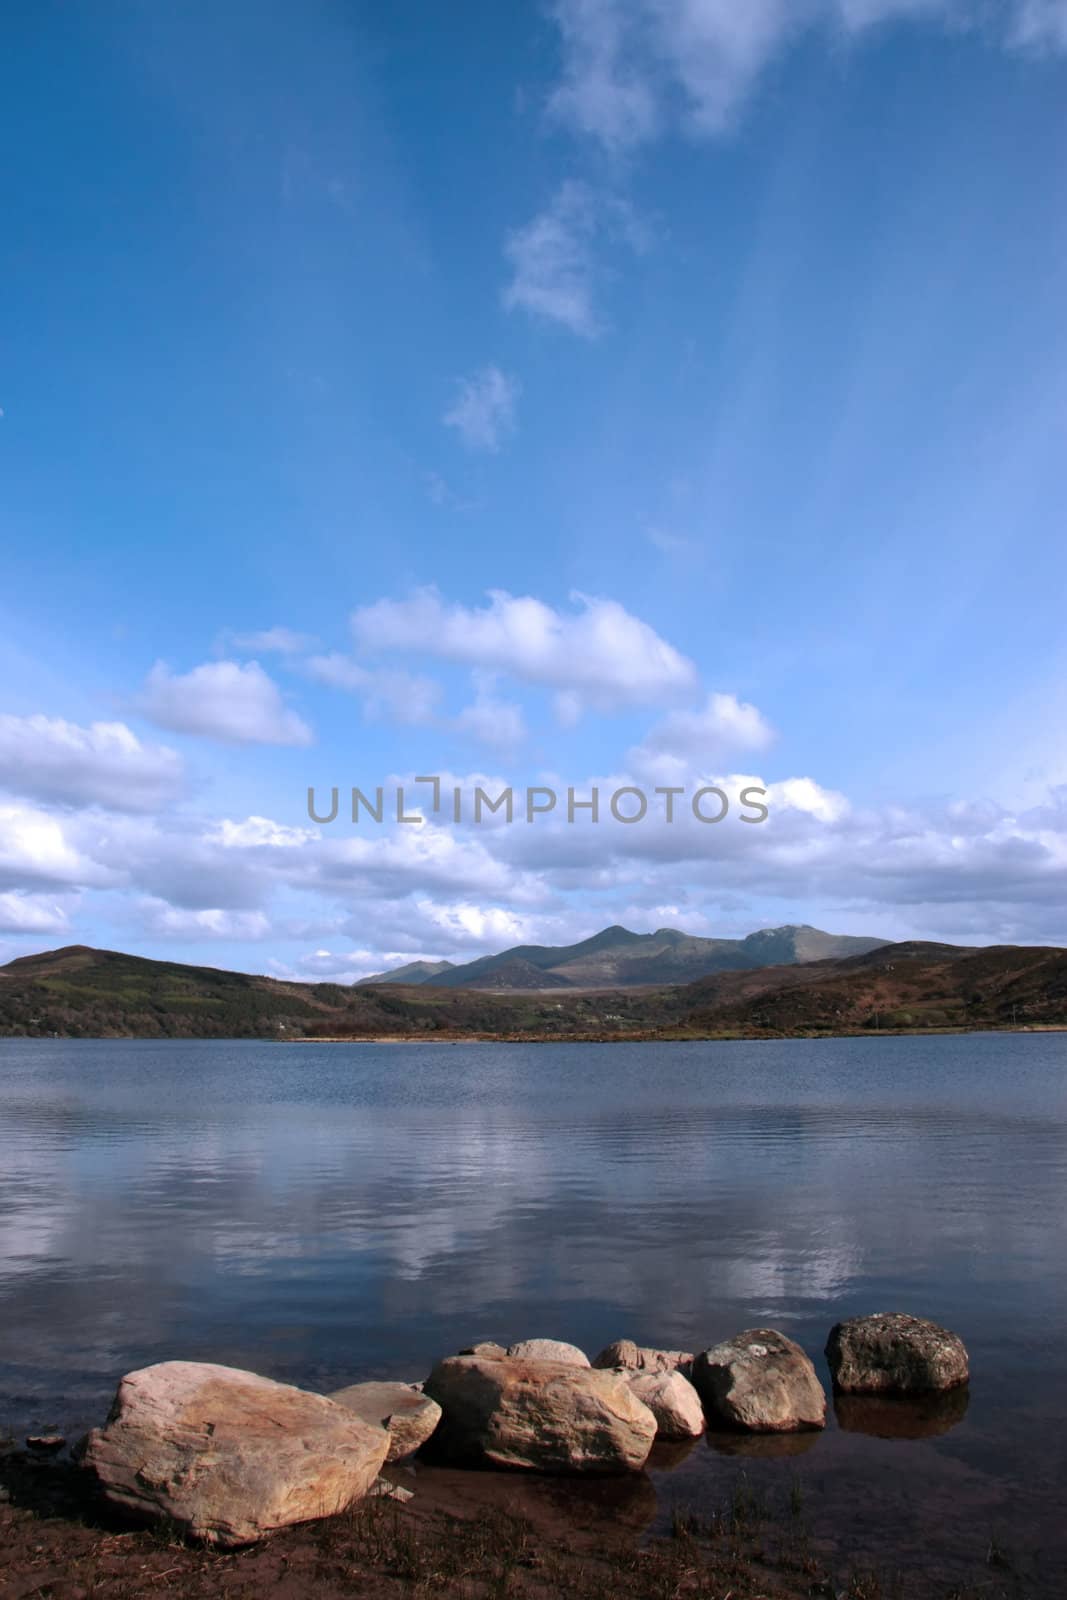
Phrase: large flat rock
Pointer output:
(541, 1416)
(229, 1456)
(893, 1353)
(760, 1382)
(408, 1416)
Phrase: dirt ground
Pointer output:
(470, 1535)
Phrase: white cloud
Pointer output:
(400, 696)
(106, 764)
(418, 927)
(555, 257)
(805, 795)
(715, 51)
(942, 870)
(335, 966)
(632, 67)
(179, 859)
(463, 924)
(484, 410)
(35, 848)
(552, 262)
(605, 91)
(1040, 25)
(213, 922)
(223, 700)
(31, 913)
(494, 722)
(412, 858)
(685, 742)
(599, 654)
(381, 858)
(624, 60)
(413, 700)
(273, 641)
(339, 671)
(253, 833)
(423, 929)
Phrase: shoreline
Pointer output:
(441, 1037)
(472, 1536)
(664, 1038)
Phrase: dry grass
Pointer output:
(56, 1541)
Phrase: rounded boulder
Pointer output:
(548, 1350)
(408, 1415)
(894, 1353)
(760, 1382)
(673, 1402)
(228, 1456)
(538, 1416)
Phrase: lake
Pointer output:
(326, 1213)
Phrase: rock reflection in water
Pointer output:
(762, 1446)
(893, 1417)
(668, 1454)
(565, 1509)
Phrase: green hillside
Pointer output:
(78, 992)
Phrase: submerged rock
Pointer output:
(893, 1353)
(542, 1416)
(643, 1358)
(407, 1414)
(229, 1456)
(760, 1382)
(673, 1402)
(548, 1350)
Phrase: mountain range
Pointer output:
(79, 992)
(615, 958)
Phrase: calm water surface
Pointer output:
(324, 1213)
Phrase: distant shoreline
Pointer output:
(669, 1038)
(441, 1038)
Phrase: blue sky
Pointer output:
(601, 392)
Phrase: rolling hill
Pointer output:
(81, 992)
(897, 987)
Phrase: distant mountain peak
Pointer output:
(411, 972)
(618, 958)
